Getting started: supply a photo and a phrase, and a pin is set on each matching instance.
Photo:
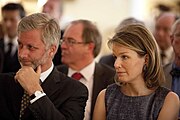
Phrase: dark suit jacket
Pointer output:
(10, 64)
(65, 99)
(108, 60)
(1, 31)
(103, 76)
(57, 56)
(1, 60)
(167, 69)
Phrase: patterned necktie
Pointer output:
(77, 76)
(24, 104)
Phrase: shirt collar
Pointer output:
(87, 71)
(46, 73)
(168, 52)
(7, 40)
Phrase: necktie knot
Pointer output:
(9, 48)
(175, 72)
(77, 76)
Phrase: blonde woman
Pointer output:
(137, 93)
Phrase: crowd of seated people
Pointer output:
(50, 72)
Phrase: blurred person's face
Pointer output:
(176, 42)
(53, 8)
(162, 31)
(10, 20)
(74, 51)
(32, 51)
(128, 64)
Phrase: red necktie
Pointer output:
(77, 76)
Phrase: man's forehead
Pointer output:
(29, 38)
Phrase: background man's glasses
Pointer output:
(70, 42)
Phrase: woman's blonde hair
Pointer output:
(138, 38)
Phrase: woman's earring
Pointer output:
(144, 67)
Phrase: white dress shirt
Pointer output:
(14, 44)
(169, 56)
(43, 76)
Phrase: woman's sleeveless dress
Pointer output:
(123, 107)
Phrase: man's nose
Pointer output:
(23, 52)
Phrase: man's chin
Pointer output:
(28, 65)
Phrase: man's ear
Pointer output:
(91, 46)
(53, 50)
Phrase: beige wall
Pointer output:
(105, 13)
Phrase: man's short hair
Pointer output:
(13, 7)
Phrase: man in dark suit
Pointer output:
(172, 70)
(11, 15)
(38, 91)
(162, 32)
(80, 45)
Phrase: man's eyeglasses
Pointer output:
(70, 42)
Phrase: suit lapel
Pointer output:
(168, 77)
(97, 85)
(51, 84)
(63, 69)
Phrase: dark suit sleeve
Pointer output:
(5, 113)
(71, 104)
(1, 60)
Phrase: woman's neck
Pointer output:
(136, 90)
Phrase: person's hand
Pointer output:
(29, 79)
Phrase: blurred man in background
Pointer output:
(172, 70)
(11, 15)
(163, 24)
(80, 45)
